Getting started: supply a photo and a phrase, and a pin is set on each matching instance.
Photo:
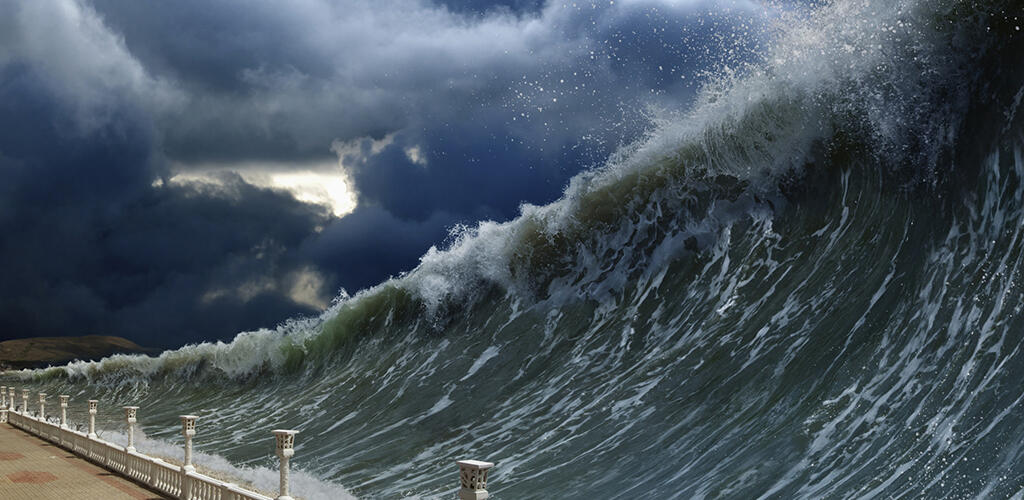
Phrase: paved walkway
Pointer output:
(35, 469)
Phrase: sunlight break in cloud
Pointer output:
(322, 184)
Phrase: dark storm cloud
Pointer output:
(441, 113)
(548, 119)
(484, 7)
(260, 80)
(264, 80)
(90, 246)
(483, 174)
(379, 241)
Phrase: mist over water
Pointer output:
(808, 286)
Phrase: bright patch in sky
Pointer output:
(329, 189)
(320, 184)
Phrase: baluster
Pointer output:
(473, 479)
(64, 410)
(285, 449)
(129, 414)
(188, 429)
(93, 407)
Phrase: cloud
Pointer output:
(319, 183)
(263, 81)
(372, 244)
(81, 62)
(476, 7)
(180, 171)
(284, 82)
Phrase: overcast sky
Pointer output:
(179, 171)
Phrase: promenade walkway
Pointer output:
(31, 468)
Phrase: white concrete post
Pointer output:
(473, 479)
(92, 418)
(10, 397)
(285, 450)
(24, 401)
(42, 406)
(188, 429)
(64, 411)
(129, 415)
(3, 396)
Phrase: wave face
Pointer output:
(809, 286)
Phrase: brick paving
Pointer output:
(31, 468)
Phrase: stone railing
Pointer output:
(175, 481)
(182, 482)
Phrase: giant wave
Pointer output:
(807, 286)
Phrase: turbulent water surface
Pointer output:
(808, 286)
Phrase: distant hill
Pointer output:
(40, 352)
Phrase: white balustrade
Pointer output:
(152, 472)
(42, 406)
(181, 482)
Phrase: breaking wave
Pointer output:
(806, 286)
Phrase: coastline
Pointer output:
(41, 352)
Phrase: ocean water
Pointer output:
(807, 286)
